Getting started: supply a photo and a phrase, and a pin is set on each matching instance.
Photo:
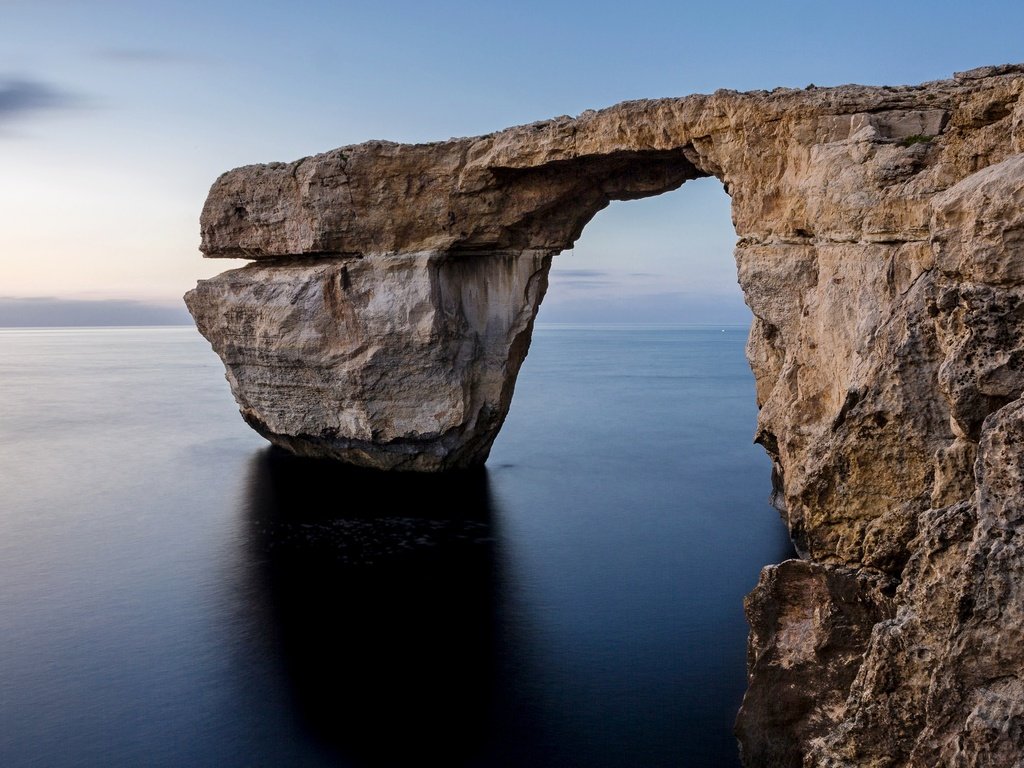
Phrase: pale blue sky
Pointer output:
(116, 116)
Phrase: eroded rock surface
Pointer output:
(881, 251)
(406, 362)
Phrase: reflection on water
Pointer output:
(383, 596)
(174, 593)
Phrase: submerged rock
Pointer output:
(881, 251)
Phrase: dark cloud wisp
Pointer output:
(22, 96)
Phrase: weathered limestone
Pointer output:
(881, 251)
(399, 363)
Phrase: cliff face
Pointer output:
(881, 251)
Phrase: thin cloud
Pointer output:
(44, 311)
(22, 96)
(582, 283)
(582, 278)
(661, 307)
(604, 279)
(580, 272)
(141, 56)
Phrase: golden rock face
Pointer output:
(881, 251)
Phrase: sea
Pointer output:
(175, 592)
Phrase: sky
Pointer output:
(115, 117)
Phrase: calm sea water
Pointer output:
(174, 593)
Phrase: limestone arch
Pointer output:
(394, 286)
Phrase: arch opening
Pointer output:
(632, 426)
(664, 259)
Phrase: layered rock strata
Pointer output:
(403, 362)
(881, 252)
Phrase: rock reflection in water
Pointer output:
(382, 596)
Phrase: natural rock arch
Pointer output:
(881, 251)
(453, 309)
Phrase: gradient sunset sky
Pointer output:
(115, 117)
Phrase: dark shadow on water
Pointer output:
(385, 623)
(383, 597)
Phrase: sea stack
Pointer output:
(392, 295)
